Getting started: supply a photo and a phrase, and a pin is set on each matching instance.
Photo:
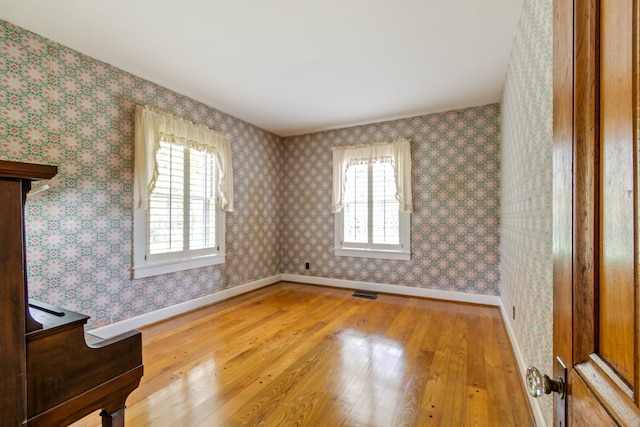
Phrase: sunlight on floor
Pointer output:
(370, 376)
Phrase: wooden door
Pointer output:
(595, 211)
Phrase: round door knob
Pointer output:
(537, 384)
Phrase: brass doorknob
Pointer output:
(537, 384)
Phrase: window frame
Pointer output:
(401, 251)
(147, 265)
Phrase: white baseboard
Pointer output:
(120, 327)
(533, 402)
(396, 289)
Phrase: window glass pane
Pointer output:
(166, 209)
(356, 205)
(202, 231)
(385, 207)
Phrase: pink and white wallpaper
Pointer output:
(63, 108)
(526, 208)
(455, 224)
(60, 107)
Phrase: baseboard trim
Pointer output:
(396, 289)
(122, 326)
(142, 320)
(533, 402)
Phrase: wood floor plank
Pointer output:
(302, 355)
(476, 412)
(500, 408)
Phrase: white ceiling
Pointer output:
(295, 66)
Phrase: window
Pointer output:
(182, 214)
(179, 217)
(372, 216)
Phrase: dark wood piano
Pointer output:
(51, 372)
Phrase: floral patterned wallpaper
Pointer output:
(60, 107)
(526, 209)
(63, 108)
(455, 226)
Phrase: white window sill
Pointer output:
(373, 253)
(164, 267)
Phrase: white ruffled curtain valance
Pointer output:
(153, 126)
(397, 153)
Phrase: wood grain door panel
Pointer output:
(595, 234)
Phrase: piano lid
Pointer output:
(53, 319)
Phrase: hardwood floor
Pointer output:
(301, 355)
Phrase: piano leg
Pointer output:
(114, 419)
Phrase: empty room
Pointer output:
(319, 213)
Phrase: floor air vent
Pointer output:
(365, 294)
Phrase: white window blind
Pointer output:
(202, 209)
(385, 209)
(356, 205)
(370, 198)
(166, 204)
(369, 218)
(182, 207)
